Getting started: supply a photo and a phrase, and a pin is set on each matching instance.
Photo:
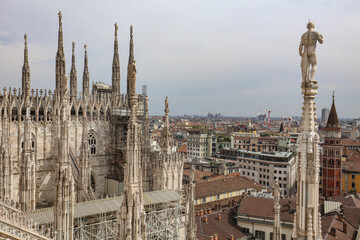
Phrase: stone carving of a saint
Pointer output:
(132, 73)
(307, 51)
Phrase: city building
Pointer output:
(223, 191)
(287, 142)
(256, 217)
(324, 114)
(350, 132)
(264, 168)
(254, 143)
(351, 173)
(356, 122)
(331, 161)
(220, 224)
(199, 144)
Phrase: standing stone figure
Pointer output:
(132, 75)
(307, 51)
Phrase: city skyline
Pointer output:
(206, 56)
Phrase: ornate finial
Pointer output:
(166, 105)
(73, 48)
(85, 47)
(60, 17)
(25, 52)
(116, 28)
(333, 97)
(131, 31)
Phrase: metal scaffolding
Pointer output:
(97, 231)
(164, 221)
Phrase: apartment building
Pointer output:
(199, 144)
(254, 143)
(265, 168)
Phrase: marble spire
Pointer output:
(190, 207)
(307, 218)
(6, 166)
(86, 83)
(132, 215)
(60, 58)
(277, 210)
(166, 140)
(116, 70)
(73, 74)
(131, 77)
(27, 185)
(65, 194)
(26, 73)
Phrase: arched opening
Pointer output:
(338, 162)
(92, 142)
(73, 112)
(92, 183)
(32, 143)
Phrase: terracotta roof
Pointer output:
(264, 208)
(351, 166)
(202, 176)
(226, 202)
(199, 176)
(352, 214)
(349, 142)
(352, 200)
(213, 187)
(354, 156)
(224, 228)
(333, 121)
(333, 228)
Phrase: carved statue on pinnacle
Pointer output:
(132, 75)
(166, 105)
(307, 51)
(60, 17)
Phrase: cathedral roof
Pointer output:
(103, 206)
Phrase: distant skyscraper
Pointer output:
(324, 114)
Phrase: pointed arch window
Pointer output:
(32, 143)
(92, 142)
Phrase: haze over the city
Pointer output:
(233, 57)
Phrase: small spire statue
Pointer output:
(60, 18)
(307, 51)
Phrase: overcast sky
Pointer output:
(228, 56)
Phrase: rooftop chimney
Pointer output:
(219, 216)
(216, 237)
(206, 219)
(231, 237)
(211, 238)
